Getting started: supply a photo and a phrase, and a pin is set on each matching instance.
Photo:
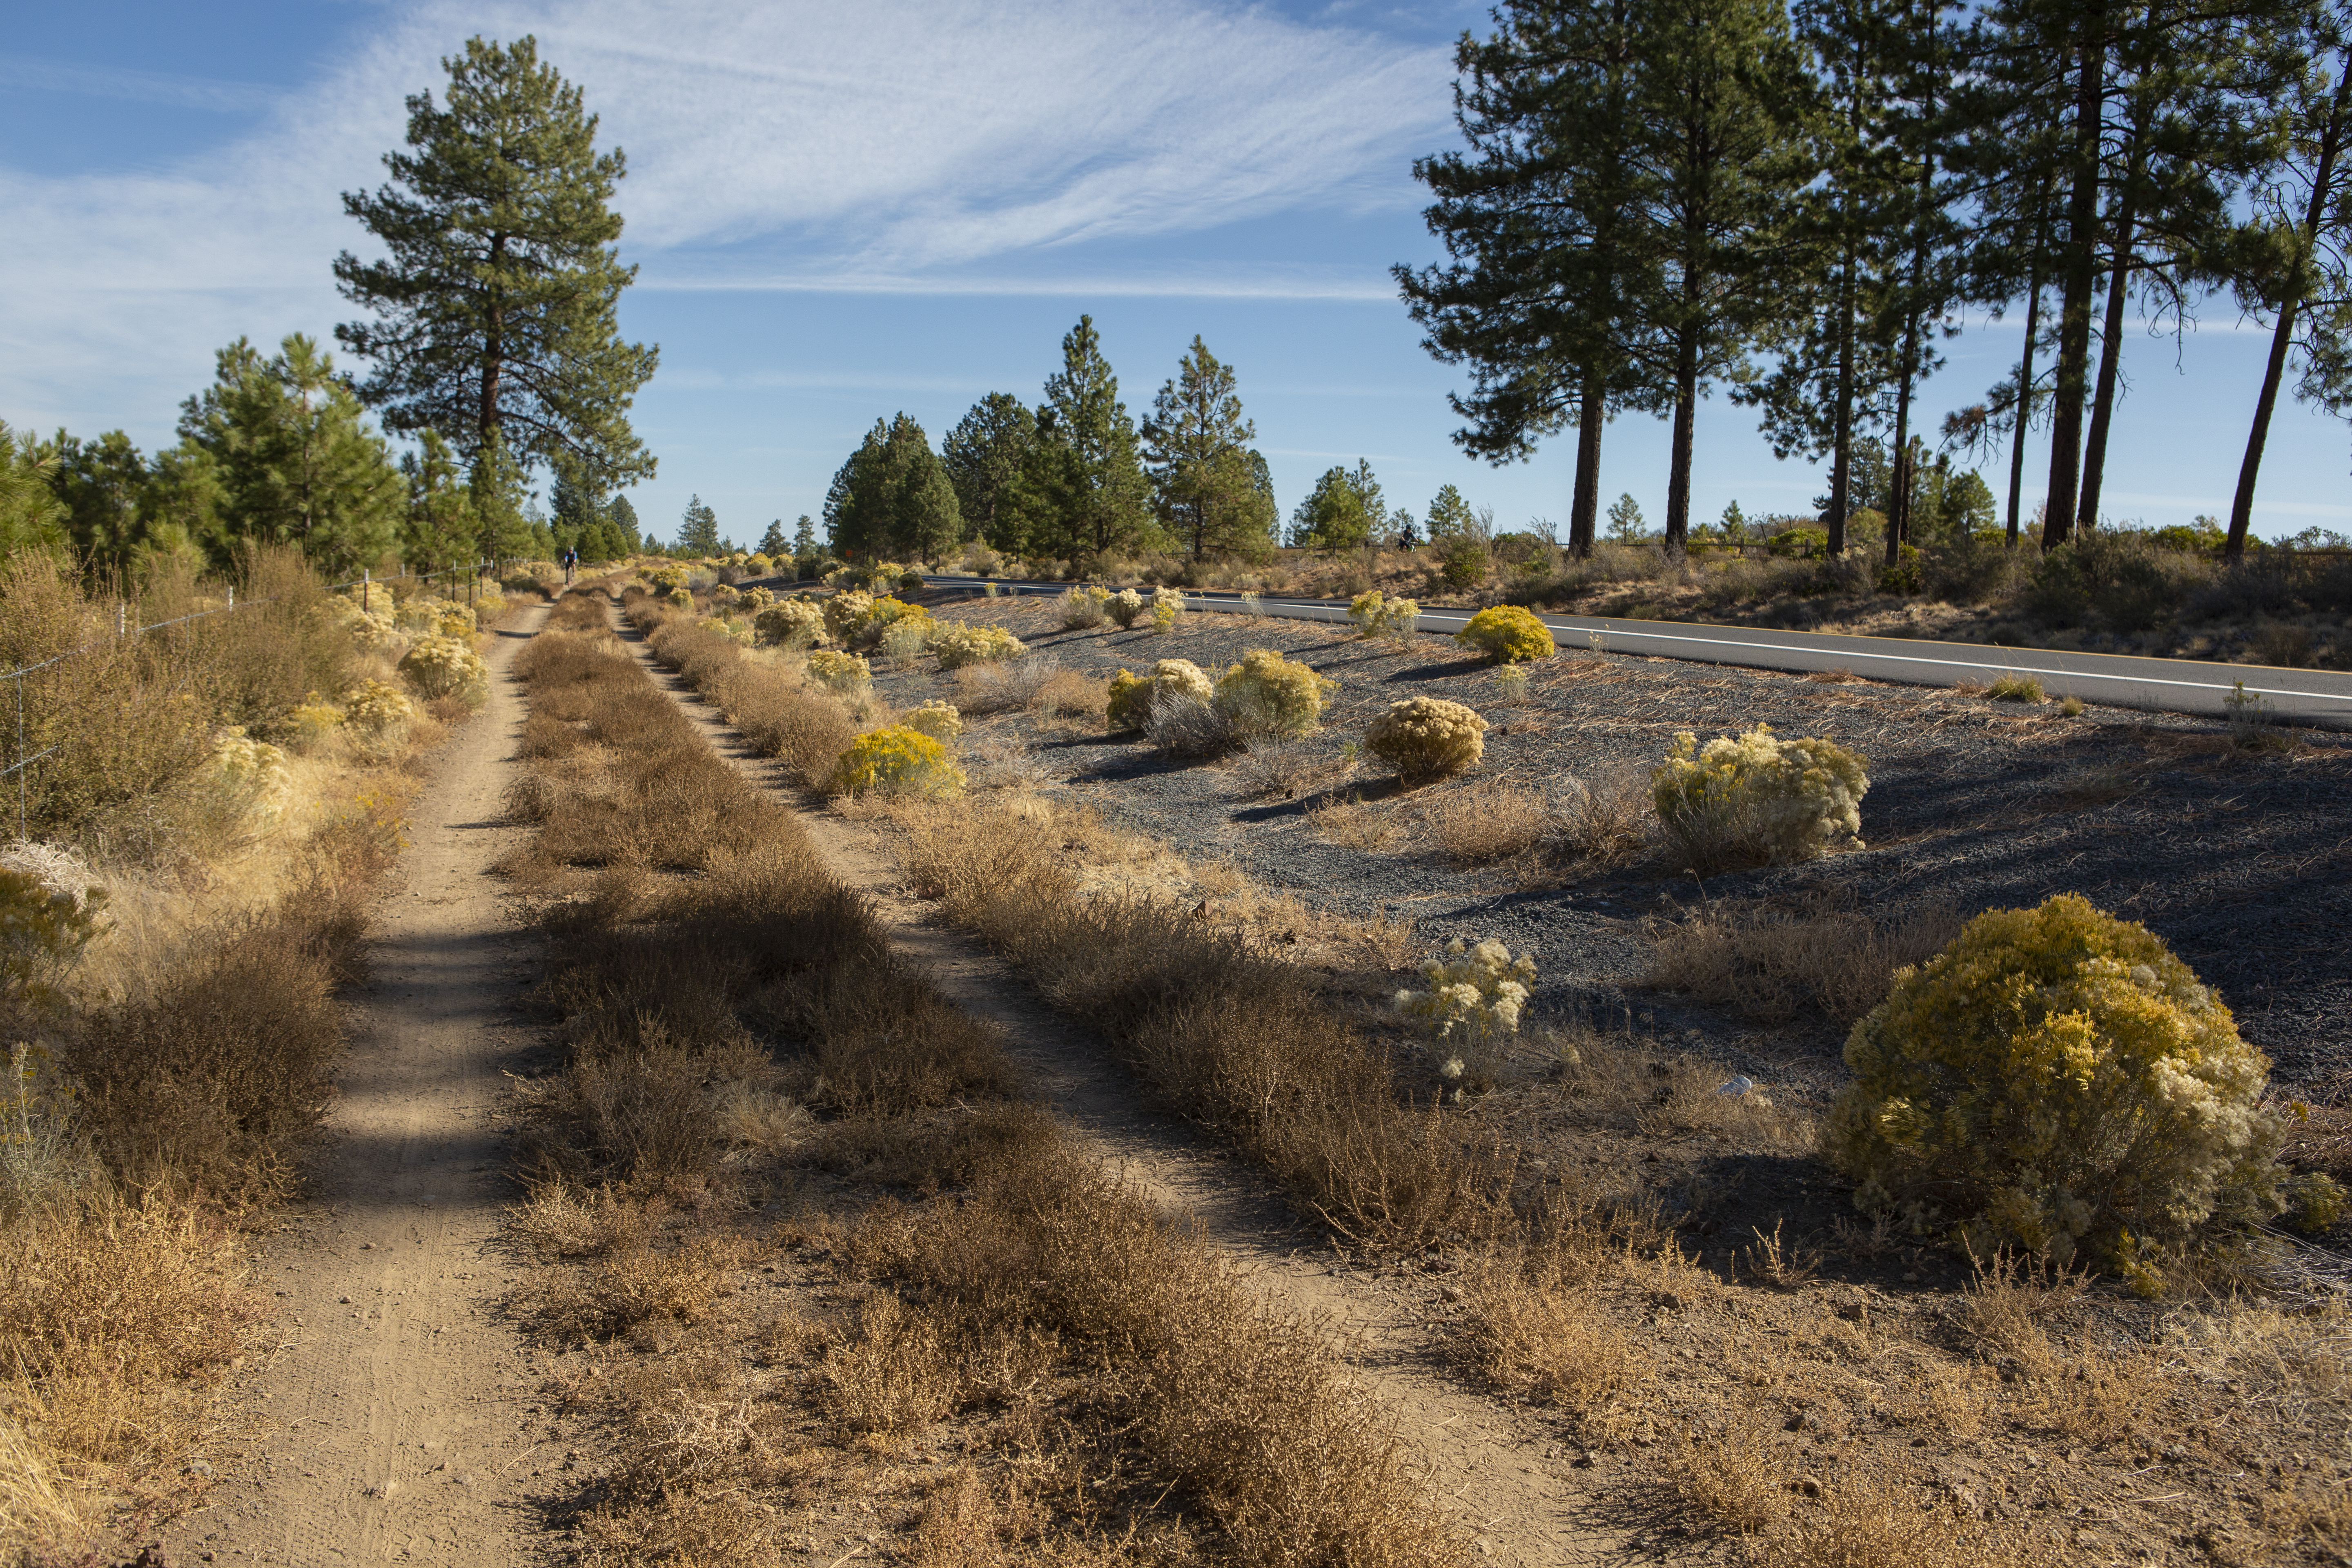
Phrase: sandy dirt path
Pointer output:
(397, 1412)
(1506, 1477)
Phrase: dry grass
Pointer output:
(1484, 823)
(1013, 685)
(1600, 823)
(1224, 1030)
(1770, 962)
(1533, 1324)
(1235, 1406)
(117, 1322)
(1277, 768)
(1354, 823)
(727, 1027)
(185, 1064)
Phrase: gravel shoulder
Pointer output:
(2237, 858)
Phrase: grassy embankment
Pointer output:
(188, 900)
(751, 1080)
(2120, 590)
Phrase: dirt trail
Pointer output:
(1507, 1476)
(397, 1409)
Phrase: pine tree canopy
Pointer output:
(1196, 444)
(698, 532)
(295, 461)
(494, 309)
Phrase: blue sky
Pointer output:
(846, 211)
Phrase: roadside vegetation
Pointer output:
(824, 1280)
(208, 810)
(1614, 1223)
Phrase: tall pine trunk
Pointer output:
(2081, 272)
(1685, 413)
(2025, 382)
(2111, 335)
(1841, 429)
(2242, 506)
(1592, 413)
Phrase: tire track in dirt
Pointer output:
(1506, 1477)
(396, 1410)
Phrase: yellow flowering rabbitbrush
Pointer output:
(1758, 798)
(899, 760)
(2057, 1081)
(792, 624)
(1507, 635)
(1267, 694)
(1377, 616)
(1125, 608)
(1426, 739)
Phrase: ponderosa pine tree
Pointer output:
(503, 505)
(2295, 265)
(575, 508)
(440, 529)
(494, 309)
(1720, 98)
(1197, 450)
(697, 530)
(983, 455)
(1541, 218)
(1089, 496)
(294, 457)
(893, 496)
(103, 484)
(31, 516)
(772, 544)
(1831, 365)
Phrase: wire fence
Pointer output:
(366, 581)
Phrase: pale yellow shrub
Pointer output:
(247, 779)
(445, 666)
(1377, 616)
(1475, 997)
(312, 724)
(1167, 605)
(845, 613)
(844, 672)
(1083, 607)
(1758, 798)
(1125, 608)
(958, 643)
(377, 709)
(1426, 739)
(793, 623)
(1507, 634)
(939, 720)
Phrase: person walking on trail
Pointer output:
(571, 559)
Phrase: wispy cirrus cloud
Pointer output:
(901, 145)
(30, 73)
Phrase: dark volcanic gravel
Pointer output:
(2238, 859)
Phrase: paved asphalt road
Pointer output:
(2319, 697)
